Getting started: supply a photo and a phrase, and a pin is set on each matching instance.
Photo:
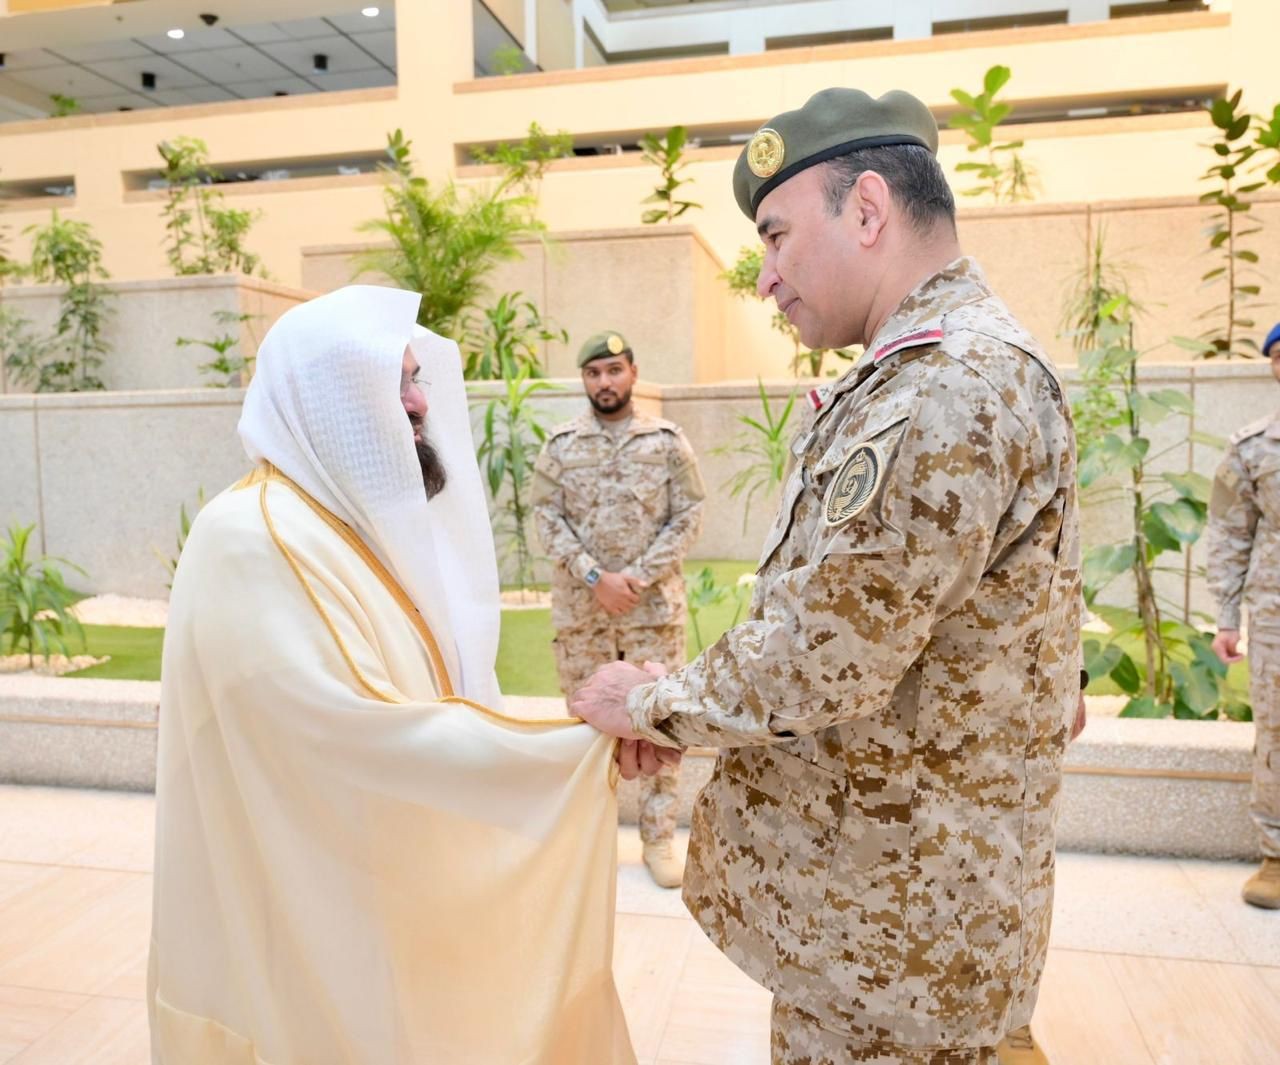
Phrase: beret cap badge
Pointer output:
(615, 344)
(765, 152)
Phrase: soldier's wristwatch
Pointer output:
(593, 577)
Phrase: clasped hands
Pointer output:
(618, 593)
(602, 703)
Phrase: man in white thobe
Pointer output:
(360, 858)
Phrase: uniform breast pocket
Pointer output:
(788, 816)
(1267, 480)
(580, 481)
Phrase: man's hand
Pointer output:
(1226, 645)
(617, 594)
(603, 702)
(642, 758)
(1077, 726)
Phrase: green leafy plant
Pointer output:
(763, 445)
(507, 59)
(202, 235)
(524, 162)
(64, 106)
(232, 368)
(703, 593)
(35, 602)
(667, 154)
(66, 253)
(443, 245)
(513, 435)
(1236, 273)
(510, 333)
(184, 530)
(1005, 176)
(1268, 140)
(743, 277)
(1162, 662)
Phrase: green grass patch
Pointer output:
(134, 653)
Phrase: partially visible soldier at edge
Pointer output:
(876, 843)
(617, 505)
(1244, 568)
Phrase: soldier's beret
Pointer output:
(602, 346)
(833, 122)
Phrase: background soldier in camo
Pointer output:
(617, 505)
(1244, 567)
(876, 844)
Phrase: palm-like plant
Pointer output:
(443, 245)
(764, 445)
(35, 601)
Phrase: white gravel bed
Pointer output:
(122, 610)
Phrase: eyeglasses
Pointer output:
(418, 380)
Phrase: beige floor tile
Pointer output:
(1127, 905)
(1200, 1013)
(1082, 1017)
(1254, 932)
(104, 1031)
(637, 893)
(648, 956)
(27, 1014)
(68, 826)
(79, 930)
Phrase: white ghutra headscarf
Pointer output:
(324, 409)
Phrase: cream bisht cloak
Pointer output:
(357, 859)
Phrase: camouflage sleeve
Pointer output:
(1233, 517)
(830, 640)
(559, 542)
(686, 493)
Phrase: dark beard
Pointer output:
(433, 475)
(612, 407)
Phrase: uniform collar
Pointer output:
(587, 424)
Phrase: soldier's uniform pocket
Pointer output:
(788, 814)
(580, 481)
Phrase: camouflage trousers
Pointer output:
(581, 651)
(1264, 693)
(799, 1039)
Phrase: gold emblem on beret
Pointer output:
(615, 344)
(854, 485)
(765, 152)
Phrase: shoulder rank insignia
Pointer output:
(854, 485)
(911, 340)
(816, 398)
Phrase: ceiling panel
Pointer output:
(360, 79)
(303, 29)
(209, 94)
(358, 23)
(235, 64)
(263, 33)
(128, 72)
(382, 44)
(68, 81)
(196, 40)
(136, 101)
(26, 60)
(85, 53)
(344, 56)
(293, 86)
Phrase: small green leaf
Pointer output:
(1146, 706)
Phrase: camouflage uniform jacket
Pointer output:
(1244, 528)
(633, 507)
(876, 844)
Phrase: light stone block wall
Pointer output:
(657, 285)
(148, 317)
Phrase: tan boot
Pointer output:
(1019, 1048)
(1263, 888)
(666, 869)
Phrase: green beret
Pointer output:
(602, 346)
(833, 122)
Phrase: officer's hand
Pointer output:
(1077, 726)
(1226, 645)
(642, 758)
(615, 594)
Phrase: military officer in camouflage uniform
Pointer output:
(1244, 566)
(876, 843)
(617, 505)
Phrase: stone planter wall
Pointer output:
(148, 317)
(657, 285)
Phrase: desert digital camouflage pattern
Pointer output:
(797, 1038)
(876, 844)
(630, 506)
(1244, 567)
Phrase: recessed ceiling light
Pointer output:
(369, 12)
(319, 63)
(176, 34)
(148, 80)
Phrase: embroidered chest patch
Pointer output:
(854, 485)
